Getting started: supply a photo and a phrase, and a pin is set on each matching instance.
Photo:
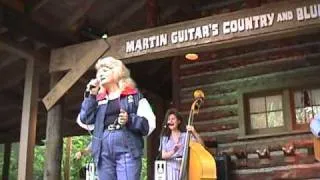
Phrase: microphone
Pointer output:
(90, 87)
(166, 125)
(92, 84)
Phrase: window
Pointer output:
(265, 113)
(268, 113)
(307, 105)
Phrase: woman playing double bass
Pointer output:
(172, 142)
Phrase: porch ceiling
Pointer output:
(32, 28)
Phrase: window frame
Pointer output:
(244, 121)
(247, 113)
(295, 125)
(288, 87)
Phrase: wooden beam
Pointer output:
(17, 5)
(28, 121)
(126, 13)
(294, 171)
(54, 147)
(251, 144)
(89, 57)
(278, 80)
(256, 164)
(151, 13)
(23, 51)
(19, 23)
(244, 58)
(78, 13)
(260, 68)
(8, 60)
(39, 5)
(60, 59)
(210, 101)
(15, 77)
(215, 5)
(168, 12)
(6, 161)
(278, 30)
(13, 47)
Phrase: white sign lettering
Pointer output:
(311, 12)
(226, 27)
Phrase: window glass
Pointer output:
(275, 119)
(307, 105)
(257, 105)
(266, 112)
(258, 121)
(274, 102)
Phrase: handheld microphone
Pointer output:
(166, 125)
(90, 87)
(92, 84)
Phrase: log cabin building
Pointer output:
(258, 67)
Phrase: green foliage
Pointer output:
(78, 144)
(144, 169)
(38, 162)
(1, 157)
(13, 174)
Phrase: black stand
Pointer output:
(164, 127)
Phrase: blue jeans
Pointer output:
(117, 165)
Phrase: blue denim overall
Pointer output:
(117, 153)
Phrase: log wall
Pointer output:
(283, 64)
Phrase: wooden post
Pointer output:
(79, 69)
(316, 146)
(152, 13)
(6, 161)
(54, 146)
(28, 121)
(67, 159)
(154, 140)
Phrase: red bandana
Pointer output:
(127, 91)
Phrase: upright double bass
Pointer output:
(197, 163)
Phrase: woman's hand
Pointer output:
(176, 147)
(170, 153)
(123, 117)
(191, 129)
(195, 134)
(93, 86)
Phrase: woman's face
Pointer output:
(173, 122)
(105, 75)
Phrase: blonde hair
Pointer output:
(121, 71)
